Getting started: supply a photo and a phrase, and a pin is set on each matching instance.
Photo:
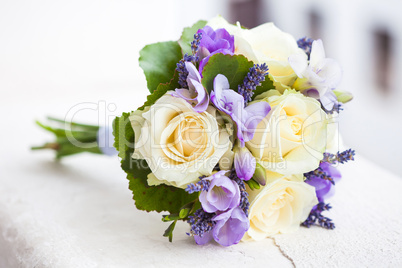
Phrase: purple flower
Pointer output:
(244, 163)
(232, 103)
(230, 227)
(324, 188)
(202, 240)
(195, 94)
(212, 42)
(223, 193)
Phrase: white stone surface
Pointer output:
(79, 213)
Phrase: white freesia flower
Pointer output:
(317, 77)
(179, 144)
(293, 136)
(279, 207)
(265, 44)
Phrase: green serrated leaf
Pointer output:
(149, 198)
(158, 61)
(123, 135)
(161, 90)
(188, 36)
(234, 67)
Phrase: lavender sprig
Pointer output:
(341, 158)
(201, 222)
(181, 67)
(196, 43)
(202, 185)
(316, 217)
(305, 43)
(254, 77)
(244, 202)
(320, 173)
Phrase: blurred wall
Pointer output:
(365, 36)
(54, 52)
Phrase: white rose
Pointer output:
(179, 144)
(265, 44)
(279, 207)
(293, 136)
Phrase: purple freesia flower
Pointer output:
(324, 188)
(212, 42)
(196, 94)
(244, 163)
(223, 193)
(232, 103)
(202, 240)
(230, 226)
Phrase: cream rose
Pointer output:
(293, 136)
(179, 144)
(265, 44)
(279, 207)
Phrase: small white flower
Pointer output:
(317, 77)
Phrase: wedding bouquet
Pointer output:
(238, 136)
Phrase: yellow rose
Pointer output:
(293, 136)
(279, 207)
(179, 144)
(265, 44)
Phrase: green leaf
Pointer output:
(234, 67)
(266, 85)
(158, 61)
(123, 135)
(343, 96)
(149, 198)
(161, 90)
(169, 231)
(188, 36)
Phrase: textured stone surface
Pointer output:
(79, 213)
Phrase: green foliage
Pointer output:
(234, 67)
(149, 198)
(188, 36)
(253, 184)
(268, 84)
(161, 90)
(169, 231)
(158, 61)
(70, 138)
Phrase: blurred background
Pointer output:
(56, 55)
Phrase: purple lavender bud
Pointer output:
(223, 193)
(244, 163)
(230, 226)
